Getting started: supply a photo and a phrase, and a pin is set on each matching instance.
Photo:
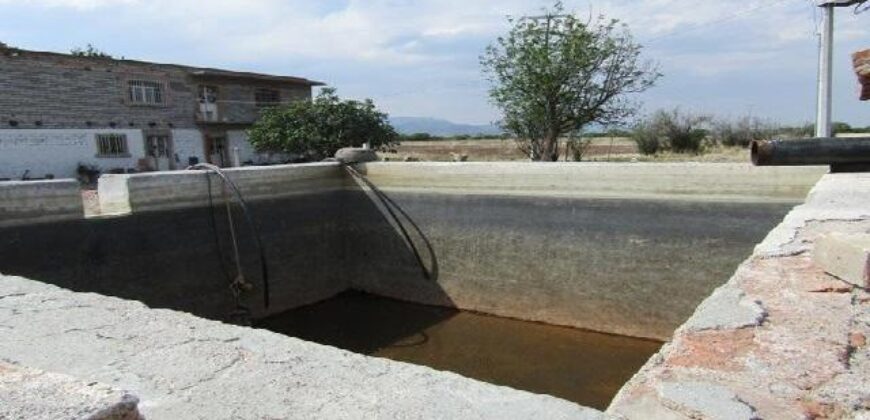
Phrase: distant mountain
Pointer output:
(436, 127)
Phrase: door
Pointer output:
(158, 148)
(208, 110)
(216, 150)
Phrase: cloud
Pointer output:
(422, 54)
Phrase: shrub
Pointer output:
(742, 131)
(646, 138)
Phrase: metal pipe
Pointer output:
(826, 59)
(842, 153)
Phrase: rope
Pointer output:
(238, 284)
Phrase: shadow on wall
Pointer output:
(315, 243)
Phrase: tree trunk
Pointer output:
(550, 147)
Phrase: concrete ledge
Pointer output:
(185, 367)
(846, 256)
(782, 339)
(34, 394)
(29, 202)
(122, 194)
(697, 181)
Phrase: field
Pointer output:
(606, 149)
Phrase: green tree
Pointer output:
(317, 129)
(554, 74)
(89, 51)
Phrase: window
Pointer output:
(267, 97)
(146, 92)
(112, 145)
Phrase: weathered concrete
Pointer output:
(186, 367)
(32, 202)
(846, 256)
(807, 358)
(593, 246)
(158, 191)
(173, 251)
(721, 182)
(27, 393)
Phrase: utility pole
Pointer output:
(826, 60)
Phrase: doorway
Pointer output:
(158, 148)
(216, 150)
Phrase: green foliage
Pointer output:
(317, 129)
(555, 74)
(648, 140)
(671, 130)
(743, 131)
(419, 137)
(89, 51)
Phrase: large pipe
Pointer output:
(844, 153)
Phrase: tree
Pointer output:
(89, 51)
(317, 129)
(554, 74)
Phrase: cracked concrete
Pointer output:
(34, 394)
(181, 366)
(807, 357)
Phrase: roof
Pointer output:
(228, 74)
(202, 72)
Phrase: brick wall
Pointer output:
(48, 90)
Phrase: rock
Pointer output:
(35, 394)
(846, 256)
(704, 400)
(356, 155)
(727, 308)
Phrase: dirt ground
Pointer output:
(607, 149)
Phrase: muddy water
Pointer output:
(581, 366)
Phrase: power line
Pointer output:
(719, 21)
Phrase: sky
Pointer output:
(421, 57)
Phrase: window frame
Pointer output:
(105, 142)
(272, 93)
(141, 91)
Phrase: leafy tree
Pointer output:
(89, 51)
(317, 129)
(671, 130)
(554, 74)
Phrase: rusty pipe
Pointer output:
(843, 153)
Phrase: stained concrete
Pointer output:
(31, 202)
(185, 367)
(808, 358)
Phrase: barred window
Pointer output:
(112, 145)
(146, 92)
(267, 97)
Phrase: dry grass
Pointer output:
(616, 149)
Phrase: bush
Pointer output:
(646, 138)
(671, 130)
(743, 131)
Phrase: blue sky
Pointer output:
(420, 57)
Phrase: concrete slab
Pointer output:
(32, 202)
(809, 357)
(35, 394)
(846, 256)
(186, 367)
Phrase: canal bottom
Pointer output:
(585, 367)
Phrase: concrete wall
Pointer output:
(620, 248)
(59, 152)
(168, 251)
(33, 202)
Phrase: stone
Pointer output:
(845, 255)
(727, 308)
(34, 394)
(704, 400)
(356, 155)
